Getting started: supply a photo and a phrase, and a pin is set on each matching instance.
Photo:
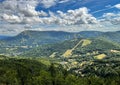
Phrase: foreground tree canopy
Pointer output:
(32, 72)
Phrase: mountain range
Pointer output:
(46, 37)
(31, 40)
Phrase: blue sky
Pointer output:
(60, 15)
(93, 5)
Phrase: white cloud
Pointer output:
(26, 8)
(26, 13)
(11, 18)
(113, 18)
(108, 16)
(116, 21)
(20, 11)
(31, 20)
(76, 17)
(48, 3)
(30, 11)
(71, 17)
(63, 1)
(10, 29)
(117, 6)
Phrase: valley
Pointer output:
(74, 56)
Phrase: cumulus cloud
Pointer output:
(71, 17)
(30, 11)
(20, 11)
(50, 3)
(108, 14)
(13, 4)
(116, 21)
(10, 29)
(117, 6)
(113, 18)
(11, 18)
(26, 8)
(26, 13)
(79, 16)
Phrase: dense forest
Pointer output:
(14, 71)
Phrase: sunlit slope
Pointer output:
(83, 42)
(100, 56)
(72, 48)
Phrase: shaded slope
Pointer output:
(113, 36)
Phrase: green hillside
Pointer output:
(84, 48)
(47, 50)
(37, 40)
(113, 36)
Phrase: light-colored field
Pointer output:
(100, 56)
(114, 51)
(53, 55)
(86, 42)
(67, 53)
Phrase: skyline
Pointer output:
(60, 15)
